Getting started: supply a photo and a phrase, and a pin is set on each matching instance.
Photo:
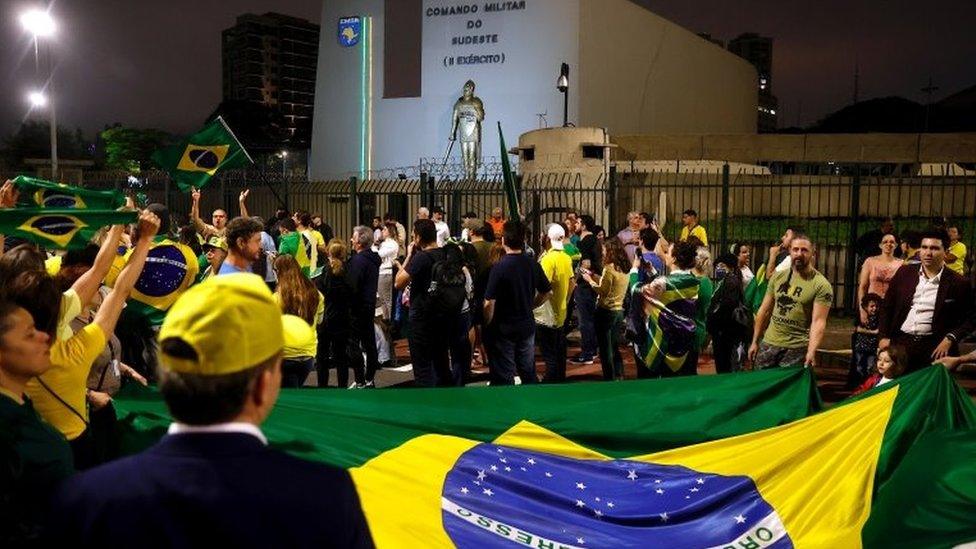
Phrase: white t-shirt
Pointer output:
(443, 232)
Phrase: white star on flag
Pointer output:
(694, 490)
(580, 541)
(464, 490)
(548, 474)
(739, 519)
(494, 467)
(531, 461)
(660, 491)
(488, 492)
(500, 451)
(632, 474)
(658, 481)
(598, 513)
(523, 468)
(503, 460)
(508, 469)
(701, 481)
(597, 499)
(664, 517)
(581, 486)
(579, 503)
(481, 475)
(610, 504)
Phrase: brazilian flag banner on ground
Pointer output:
(740, 460)
(65, 228)
(39, 193)
(193, 162)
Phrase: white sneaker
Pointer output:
(355, 385)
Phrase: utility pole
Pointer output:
(928, 90)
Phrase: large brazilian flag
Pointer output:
(40, 193)
(737, 460)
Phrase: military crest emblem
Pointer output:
(350, 28)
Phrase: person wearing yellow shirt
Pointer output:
(691, 227)
(550, 317)
(59, 394)
(956, 254)
(300, 299)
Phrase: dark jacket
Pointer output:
(362, 275)
(209, 490)
(953, 304)
(335, 289)
(721, 318)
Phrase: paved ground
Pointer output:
(831, 371)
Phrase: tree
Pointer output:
(33, 140)
(130, 149)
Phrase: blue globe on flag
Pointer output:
(497, 495)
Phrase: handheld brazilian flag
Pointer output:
(65, 228)
(39, 193)
(738, 460)
(511, 186)
(194, 162)
(668, 330)
(755, 291)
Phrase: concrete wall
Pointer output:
(640, 73)
(533, 41)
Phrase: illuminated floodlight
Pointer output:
(38, 22)
(37, 99)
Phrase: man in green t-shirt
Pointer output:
(795, 309)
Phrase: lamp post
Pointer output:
(562, 84)
(41, 25)
(284, 160)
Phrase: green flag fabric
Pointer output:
(65, 228)
(39, 193)
(755, 291)
(511, 189)
(193, 162)
(363, 431)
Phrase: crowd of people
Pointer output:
(194, 308)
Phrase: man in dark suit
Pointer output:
(928, 308)
(212, 481)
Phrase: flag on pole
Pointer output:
(39, 193)
(65, 228)
(511, 188)
(744, 460)
(193, 162)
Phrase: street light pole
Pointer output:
(40, 24)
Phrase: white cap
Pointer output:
(556, 235)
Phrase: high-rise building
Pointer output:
(758, 50)
(271, 60)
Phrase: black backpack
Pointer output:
(447, 291)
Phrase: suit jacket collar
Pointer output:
(207, 445)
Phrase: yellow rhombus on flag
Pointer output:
(804, 484)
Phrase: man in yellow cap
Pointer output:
(212, 481)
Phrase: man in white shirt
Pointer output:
(928, 308)
(443, 231)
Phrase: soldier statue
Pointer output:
(468, 114)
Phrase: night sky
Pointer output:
(156, 63)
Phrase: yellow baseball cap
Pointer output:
(231, 321)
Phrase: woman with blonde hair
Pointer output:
(297, 296)
(333, 332)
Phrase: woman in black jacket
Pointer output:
(729, 320)
(334, 330)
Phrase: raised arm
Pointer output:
(241, 201)
(108, 313)
(195, 211)
(88, 283)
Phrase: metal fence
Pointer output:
(744, 206)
